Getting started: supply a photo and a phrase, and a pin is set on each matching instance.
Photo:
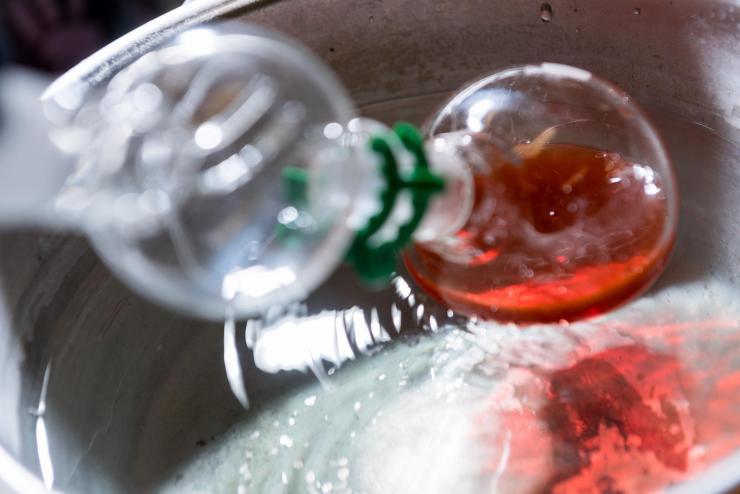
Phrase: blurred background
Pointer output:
(39, 40)
(53, 35)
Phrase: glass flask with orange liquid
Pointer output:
(575, 203)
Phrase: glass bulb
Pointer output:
(575, 206)
(182, 188)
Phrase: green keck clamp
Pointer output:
(376, 263)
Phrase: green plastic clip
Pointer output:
(295, 192)
(295, 185)
(376, 263)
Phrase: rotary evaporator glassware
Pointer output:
(227, 172)
(576, 204)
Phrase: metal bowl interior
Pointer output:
(131, 393)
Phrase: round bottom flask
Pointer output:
(575, 204)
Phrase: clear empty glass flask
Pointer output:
(226, 173)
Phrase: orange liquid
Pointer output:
(566, 233)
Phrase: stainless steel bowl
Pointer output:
(117, 395)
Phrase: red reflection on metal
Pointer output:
(616, 421)
(616, 418)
